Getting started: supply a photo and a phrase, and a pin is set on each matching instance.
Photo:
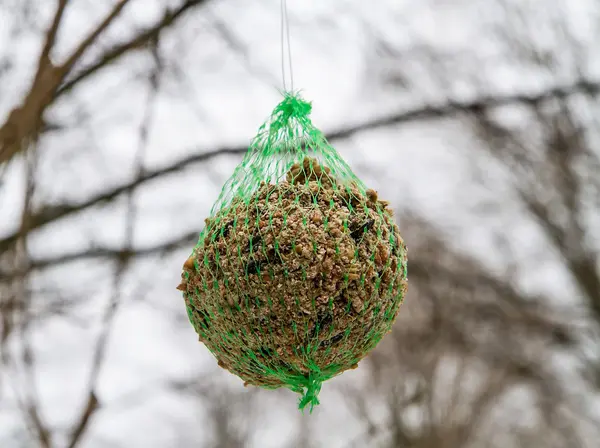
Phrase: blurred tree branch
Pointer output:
(52, 31)
(22, 360)
(26, 121)
(550, 180)
(51, 213)
(139, 41)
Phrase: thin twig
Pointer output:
(53, 30)
(88, 41)
(137, 42)
(20, 315)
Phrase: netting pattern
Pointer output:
(300, 270)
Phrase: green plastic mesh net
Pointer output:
(300, 270)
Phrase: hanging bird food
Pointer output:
(300, 270)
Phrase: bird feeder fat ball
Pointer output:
(300, 269)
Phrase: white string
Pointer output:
(285, 35)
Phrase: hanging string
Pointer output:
(285, 38)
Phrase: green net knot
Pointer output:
(292, 107)
(311, 392)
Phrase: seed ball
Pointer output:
(304, 277)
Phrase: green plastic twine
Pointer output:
(311, 392)
(292, 106)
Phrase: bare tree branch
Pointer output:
(89, 409)
(51, 35)
(107, 254)
(26, 120)
(548, 177)
(18, 320)
(52, 213)
(135, 43)
(85, 44)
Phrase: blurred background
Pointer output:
(478, 119)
